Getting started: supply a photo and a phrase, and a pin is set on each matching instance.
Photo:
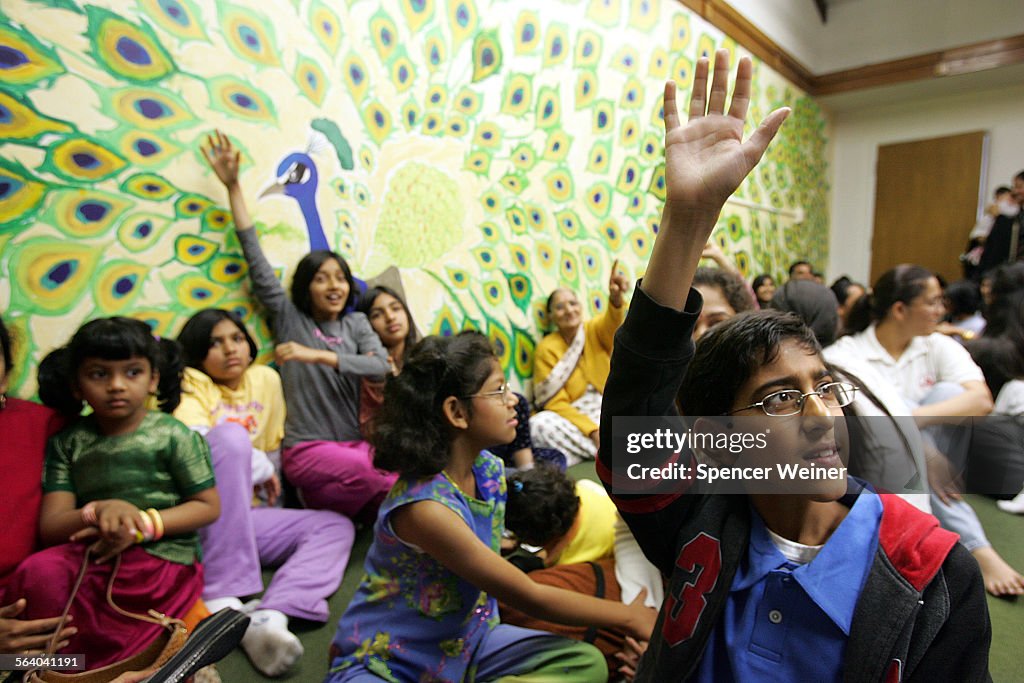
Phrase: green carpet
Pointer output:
(1005, 531)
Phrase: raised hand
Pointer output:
(222, 157)
(618, 283)
(23, 636)
(707, 159)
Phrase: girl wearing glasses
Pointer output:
(570, 367)
(427, 607)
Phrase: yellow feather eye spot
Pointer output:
(640, 243)
(644, 14)
(194, 251)
(607, 13)
(248, 35)
(635, 207)
(141, 231)
(326, 26)
(232, 96)
(680, 33)
(599, 199)
(362, 194)
(527, 32)
(20, 121)
(549, 109)
(650, 147)
(632, 94)
(490, 231)
(569, 224)
(556, 45)
(588, 50)
(403, 73)
(462, 20)
(586, 89)
(658, 67)
(487, 135)
(177, 17)
(743, 263)
(559, 185)
(196, 291)
(410, 114)
(478, 162)
(26, 62)
(604, 117)
(366, 158)
(435, 50)
(468, 102)
(490, 201)
(485, 258)
(535, 217)
(516, 218)
(51, 274)
(626, 60)
(145, 149)
(311, 80)
(85, 213)
(609, 230)
(128, 51)
(653, 224)
(191, 206)
(706, 47)
(228, 270)
(515, 182)
(682, 73)
(568, 268)
(148, 109)
(520, 257)
(377, 120)
(216, 219)
(437, 97)
(487, 55)
(591, 262)
(458, 277)
(433, 124)
(445, 325)
(457, 126)
(20, 194)
(81, 158)
(417, 13)
(556, 148)
(518, 95)
(657, 186)
(523, 157)
(494, 293)
(545, 256)
(523, 354)
(600, 157)
(148, 186)
(629, 176)
(500, 339)
(161, 322)
(356, 76)
(117, 284)
(384, 34)
(629, 131)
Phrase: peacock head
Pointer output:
(296, 177)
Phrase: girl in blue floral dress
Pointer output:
(426, 609)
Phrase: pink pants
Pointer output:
(339, 476)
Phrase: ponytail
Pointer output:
(55, 382)
(903, 283)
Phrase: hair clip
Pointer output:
(518, 486)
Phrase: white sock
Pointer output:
(217, 604)
(1015, 506)
(271, 647)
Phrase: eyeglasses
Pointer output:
(504, 391)
(791, 402)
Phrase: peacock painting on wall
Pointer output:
(490, 150)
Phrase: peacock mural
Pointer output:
(489, 150)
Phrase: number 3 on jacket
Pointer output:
(701, 557)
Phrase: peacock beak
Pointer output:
(274, 188)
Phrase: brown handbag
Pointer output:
(158, 652)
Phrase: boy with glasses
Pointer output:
(832, 583)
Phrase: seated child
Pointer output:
(833, 583)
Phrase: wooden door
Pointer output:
(926, 202)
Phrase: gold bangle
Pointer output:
(158, 523)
